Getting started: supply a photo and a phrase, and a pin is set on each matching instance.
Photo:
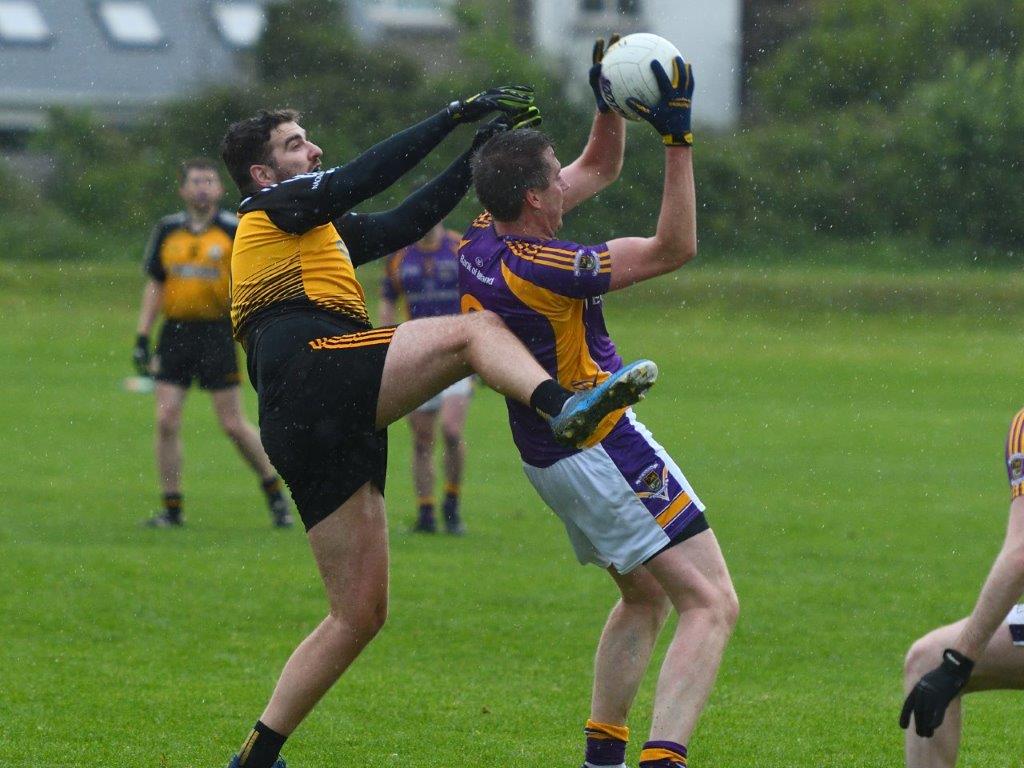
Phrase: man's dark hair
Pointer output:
(246, 144)
(196, 164)
(506, 166)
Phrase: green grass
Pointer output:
(845, 429)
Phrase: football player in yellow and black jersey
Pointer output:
(982, 652)
(188, 262)
(329, 384)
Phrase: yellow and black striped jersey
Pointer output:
(192, 266)
(289, 254)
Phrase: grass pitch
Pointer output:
(845, 430)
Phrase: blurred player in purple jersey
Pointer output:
(982, 652)
(425, 276)
(625, 503)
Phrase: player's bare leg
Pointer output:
(431, 354)
(453, 422)
(351, 550)
(170, 401)
(626, 644)
(696, 579)
(227, 404)
(421, 424)
(999, 667)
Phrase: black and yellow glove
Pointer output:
(508, 99)
(140, 355)
(671, 115)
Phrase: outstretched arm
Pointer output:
(1002, 589)
(312, 199)
(601, 161)
(675, 240)
(370, 236)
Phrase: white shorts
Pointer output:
(462, 387)
(1015, 623)
(622, 501)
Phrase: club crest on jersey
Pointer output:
(215, 252)
(586, 262)
(654, 479)
(1017, 468)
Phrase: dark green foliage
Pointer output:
(878, 120)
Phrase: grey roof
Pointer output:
(82, 65)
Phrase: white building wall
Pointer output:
(708, 34)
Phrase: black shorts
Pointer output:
(197, 349)
(318, 379)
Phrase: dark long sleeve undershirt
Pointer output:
(370, 236)
(313, 199)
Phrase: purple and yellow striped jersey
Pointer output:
(428, 281)
(1015, 455)
(548, 292)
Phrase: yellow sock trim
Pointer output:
(596, 730)
(657, 753)
(452, 489)
(422, 500)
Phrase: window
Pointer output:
(21, 21)
(592, 6)
(239, 24)
(412, 14)
(130, 23)
(629, 7)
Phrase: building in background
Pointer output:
(122, 56)
(117, 55)
(709, 34)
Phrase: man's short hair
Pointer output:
(506, 166)
(196, 164)
(246, 143)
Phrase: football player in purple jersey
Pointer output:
(982, 652)
(425, 278)
(626, 505)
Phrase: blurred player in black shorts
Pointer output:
(329, 383)
(188, 261)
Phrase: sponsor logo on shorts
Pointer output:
(586, 262)
(654, 482)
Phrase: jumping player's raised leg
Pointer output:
(427, 355)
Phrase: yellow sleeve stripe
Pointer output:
(1016, 429)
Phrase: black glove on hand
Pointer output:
(933, 692)
(140, 355)
(506, 98)
(528, 118)
(595, 70)
(671, 115)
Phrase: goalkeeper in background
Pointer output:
(982, 652)
(187, 261)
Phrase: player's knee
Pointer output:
(361, 623)
(722, 604)
(234, 427)
(168, 423)
(921, 658)
(452, 436)
(483, 321)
